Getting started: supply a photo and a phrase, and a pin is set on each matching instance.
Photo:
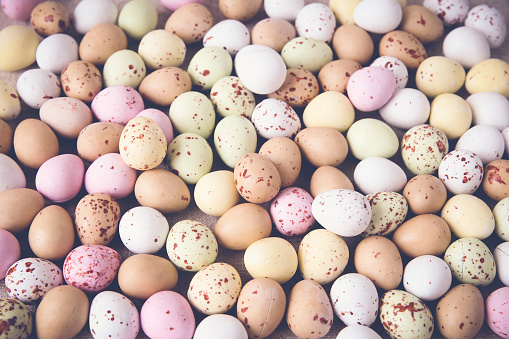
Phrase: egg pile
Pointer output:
(254, 169)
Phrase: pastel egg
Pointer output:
(497, 310)
(273, 32)
(403, 46)
(190, 21)
(489, 75)
(501, 260)
(10, 105)
(291, 211)
(389, 176)
(378, 16)
(331, 109)
(18, 45)
(351, 42)
(11, 174)
(451, 114)
(489, 108)
(371, 138)
(81, 80)
(161, 119)
(208, 65)
(275, 118)
(143, 229)
(286, 9)
(215, 193)
(18, 318)
(358, 331)
(308, 53)
(335, 74)
(461, 171)
(66, 116)
(193, 112)
(285, 155)
(19, 206)
(234, 136)
(91, 268)
(454, 42)
(316, 21)
(239, 10)
(102, 40)
(222, 325)
(407, 108)
(97, 139)
(388, 211)
(490, 21)
(448, 76)
(175, 5)
(343, 10)
(5, 137)
(450, 11)
(228, 34)
(19, 10)
(500, 212)
(300, 87)
(191, 245)
(413, 18)
(396, 66)
(354, 216)
(427, 277)
(88, 14)
(371, 87)
(10, 252)
(425, 194)
(495, 178)
(231, 97)
(164, 85)
(161, 48)
(46, 57)
(36, 86)
(124, 67)
(49, 18)
(322, 146)
(96, 217)
(137, 18)
(326, 178)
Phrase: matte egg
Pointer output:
(101, 41)
(11, 175)
(351, 42)
(81, 80)
(497, 310)
(489, 108)
(322, 146)
(489, 75)
(164, 85)
(438, 74)
(17, 317)
(422, 22)
(275, 118)
(408, 107)
(495, 178)
(371, 87)
(10, 105)
(18, 207)
(300, 87)
(193, 112)
(50, 17)
(10, 251)
(47, 57)
(273, 32)
(97, 139)
(215, 193)
(461, 171)
(124, 67)
(160, 48)
(425, 193)
(450, 11)
(220, 325)
(208, 65)
(96, 217)
(388, 211)
(18, 45)
(90, 13)
(329, 109)
(36, 86)
(229, 34)
(242, 10)
(316, 20)
(137, 18)
(427, 277)
(334, 75)
(378, 16)
(404, 46)
(231, 97)
(490, 21)
(291, 211)
(307, 53)
(190, 22)
(371, 138)
(326, 178)
(66, 116)
(377, 174)
(234, 136)
(286, 156)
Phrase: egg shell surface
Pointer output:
(193, 112)
(316, 20)
(425, 193)
(125, 101)
(427, 277)
(88, 14)
(501, 255)
(497, 309)
(18, 44)
(124, 67)
(275, 118)
(10, 251)
(36, 86)
(19, 10)
(372, 138)
(490, 75)
(221, 326)
(490, 21)
(378, 16)
(46, 57)
(307, 53)
(234, 137)
(461, 171)
(371, 87)
(489, 108)
(66, 116)
(18, 207)
(291, 211)
(96, 217)
(11, 175)
(10, 105)
(97, 139)
(160, 48)
(486, 141)
(450, 11)
(18, 318)
(408, 107)
(377, 174)
(388, 211)
(229, 34)
(208, 65)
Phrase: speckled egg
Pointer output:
(214, 289)
(461, 171)
(160, 48)
(423, 148)
(91, 268)
(96, 217)
(10, 105)
(396, 66)
(495, 179)
(344, 212)
(388, 211)
(89, 81)
(234, 136)
(208, 65)
(491, 75)
(190, 157)
(56, 51)
(124, 67)
(193, 112)
(438, 74)
(17, 319)
(231, 97)
(490, 21)
(118, 104)
(299, 88)
(316, 20)
(334, 75)
(291, 211)
(471, 261)
(50, 17)
(404, 46)
(275, 118)
(497, 310)
(422, 23)
(307, 53)
(161, 119)
(229, 34)
(450, 11)
(36, 86)
(190, 22)
(191, 245)
(322, 256)
(285, 155)
(29, 279)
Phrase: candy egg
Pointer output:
(495, 178)
(231, 97)
(66, 116)
(371, 87)
(425, 194)
(193, 112)
(490, 21)
(220, 326)
(190, 22)
(208, 65)
(326, 178)
(96, 217)
(497, 310)
(175, 5)
(102, 40)
(275, 118)
(11, 175)
(18, 45)
(388, 211)
(17, 317)
(357, 331)
(330, 109)
(10, 252)
(291, 211)
(308, 53)
(316, 20)
(350, 42)
(18, 207)
(378, 16)
(372, 138)
(500, 212)
(335, 74)
(50, 17)
(234, 136)
(501, 255)
(454, 46)
(489, 108)
(228, 34)
(487, 142)
(5, 137)
(489, 75)
(81, 80)
(396, 66)
(46, 57)
(215, 193)
(427, 277)
(322, 146)
(422, 23)
(286, 9)
(242, 10)
(407, 108)
(124, 67)
(389, 176)
(164, 85)
(161, 119)
(88, 14)
(404, 46)
(19, 10)
(300, 87)
(160, 48)
(10, 105)
(450, 11)
(137, 18)
(37, 86)
(285, 155)
(273, 32)
(461, 171)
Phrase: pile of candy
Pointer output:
(248, 168)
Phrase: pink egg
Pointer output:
(91, 268)
(110, 174)
(19, 9)
(173, 5)
(117, 104)
(60, 178)
(10, 251)
(168, 315)
(497, 312)
(371, 87)
(291, 211)
(161, 119)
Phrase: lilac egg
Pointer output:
(118, 103)
(19, 10)
(10, 251)
(161, 119)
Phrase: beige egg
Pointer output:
(329, 109)
(438, 74)
(460, 312)
(422, 22)
(285, 155)
(190, 22)
(299, 88)
(404, 46)
(425, 193)
(66, 116)
(18, 208)
(242, 225)
(34, 142)
(97, 139)
(451, 114)
(496, 177)
(353, 43)
(423, 234)
(257, 179)
(379, 259)
(309, 313)
(326, 178)
(162, 190)
(164, 85)
(81, 80)
(215, 193)
(51, 234)
(142, 275)
(241, 10)
(62, 313)
(490, 75)
(334, 76)
(261, 306)
(273, 32)
(96, 217)
(50, 17)
(322, 146)
(6, 135)
(100, 42)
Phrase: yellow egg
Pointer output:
(330, 109)
(491, 75)
(439, 74)
(215, 193)
(343, 10)
(10, 105)
(451, 114)
(17, 47)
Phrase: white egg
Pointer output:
(344, 212)
(283, 9)
(36, 86)
(396, 66)
(467, 46)
(377, 174)
(229, 34)
(275, 118)
(112, 315)
(220, 326)
(354, 299)
(260, 68)
(452, 12)
(89, 13)
(461, 171)
(487, 142)
(489, 108)
(56, 51)
(407, 108)
(427, 277)
(317, 21)
(490, 21)
(358, 331)
(11, 175)
(501, 255)
(143, 229)
(378, 16)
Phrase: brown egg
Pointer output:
(404, 46)
(51, 234)
(322, 146)
(241, 10)
(299, 88)
(285, 155)
(162, 190)
(96, 217)
(50, 17)
(100, 42)
(326, 178)
(34, 143)
(422, 22)
(6, 135)
(62, 313)
(460, 312)
(273, 32)
(242, 225)
(309, 313)
(143, 275)
(81, 80)
(98, 139)
(190, 22)
(334, 76)
(256, 178)
(353, 43)
(18, 208)
(425, 194)
(378, 258)
(164, 85)
(423, 234)
(495, 182)
(261, 306)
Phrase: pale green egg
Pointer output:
(161, 48)
(190, 157)
(330, 109)
(124, 67)
(137, 18)
(307, 53)
(193, 112)
(234, 137)
(231, 97)
(372, 138)
(209, 65)
(501, 214)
